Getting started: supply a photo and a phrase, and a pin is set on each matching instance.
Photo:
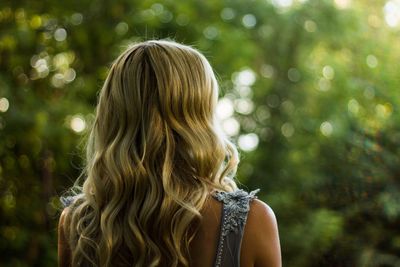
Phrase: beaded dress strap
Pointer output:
(234, 215)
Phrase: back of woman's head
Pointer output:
(153, 155)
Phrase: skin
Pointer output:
(260, 244)
(64, 253)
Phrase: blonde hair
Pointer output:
(153, 155)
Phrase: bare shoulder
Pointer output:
(261, 213)
(260, 244)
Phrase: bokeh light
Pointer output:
(282, 3)
(231, 126)
(328, 72)
(248, 142)
(245, 77)
(343, 4)
(78, 123)
(310, 25)
(372, 61)
(249, 20)
(60, 34)
(4, 104)
(227, 13)
(353, 106)
(224, 108)
(392, 13)
(244, 106)
(287, 129)
(326, 128)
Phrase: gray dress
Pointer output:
(236, 206)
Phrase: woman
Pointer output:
(159, 189)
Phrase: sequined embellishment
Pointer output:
(234, 214)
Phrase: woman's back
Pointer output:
(203, 248)
(155, 151)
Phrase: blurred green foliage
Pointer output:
(309, 91)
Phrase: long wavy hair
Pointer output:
(154, 154)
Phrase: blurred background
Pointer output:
(310, 92)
